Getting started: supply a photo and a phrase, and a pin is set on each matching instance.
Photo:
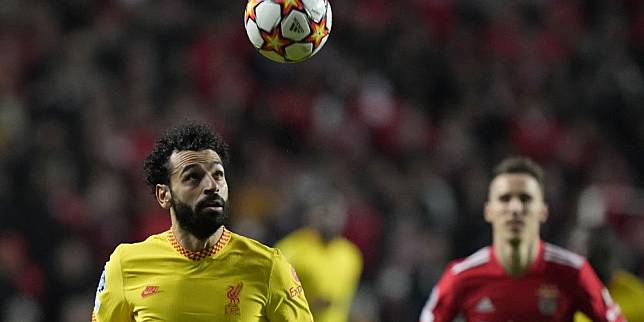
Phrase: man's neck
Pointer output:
(516, 255)
(192, 243)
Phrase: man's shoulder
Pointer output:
(299, 241)
(559, 257)
(474, 263)
(464, 271)
(150, 245)
(302, 235)
(251, 248)
(306, 240)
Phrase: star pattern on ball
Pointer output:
(250, 9)
(318, 32)
(288, 5)
(274, 41)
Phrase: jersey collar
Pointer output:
(208, 252)
(534, 266)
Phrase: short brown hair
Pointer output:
(521, 165)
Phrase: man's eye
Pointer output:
(191, 177)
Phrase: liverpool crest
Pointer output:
(233, 299)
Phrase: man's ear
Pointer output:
(164, 195)
(544, 214)
(487, 212)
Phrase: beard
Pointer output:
(200, 222)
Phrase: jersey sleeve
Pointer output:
(594, 299)
(441, 305)
(110, 304)
(286, 301)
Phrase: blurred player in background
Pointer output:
(520, 277)
(626, 289)
(328, 264)
(197, 270)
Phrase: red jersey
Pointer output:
(557, 284)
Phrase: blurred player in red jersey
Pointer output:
(519, 278)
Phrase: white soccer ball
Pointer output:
(288, 31)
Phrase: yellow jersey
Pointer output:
(236, 280)
(628, 291)
(330, 272)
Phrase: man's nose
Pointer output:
(212, 185)
(516, 206)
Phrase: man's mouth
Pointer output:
(214, 204)
(514, 224)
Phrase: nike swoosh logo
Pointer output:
(149, 290)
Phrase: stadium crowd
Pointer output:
(404, 112)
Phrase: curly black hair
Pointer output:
(190, 136)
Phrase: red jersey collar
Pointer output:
(534, 266)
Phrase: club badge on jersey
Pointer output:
(548, 298)
(233, 299)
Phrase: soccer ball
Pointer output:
(288, 31)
